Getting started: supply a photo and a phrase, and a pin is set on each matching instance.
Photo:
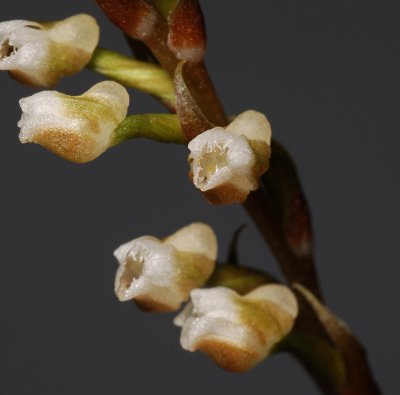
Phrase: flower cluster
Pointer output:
(236, 331)
(235, 315)
(77, 128)
(225, 163)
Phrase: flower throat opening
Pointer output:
(211, 160)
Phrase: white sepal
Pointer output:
(159, 274)
(76, 128)
(237, 331)
(226, 163)
(40, 54)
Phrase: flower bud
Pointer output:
(76, 128)
(237, 331)
(136, 18)
(187, 35)
(159, 274)
(40, 54)
(226, 163)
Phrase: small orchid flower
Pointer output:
(237, 331)
(158, 275)
(40, 54)
(226, 163)
(76, 128)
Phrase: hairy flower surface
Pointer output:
(39, 54)
(226, 163)
(77, 128)
(237, 331)
(159, 274)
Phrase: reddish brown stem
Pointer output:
(131, 16)
(265, 215)
(358, 378)
(279, 210)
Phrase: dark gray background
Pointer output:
(326, 73)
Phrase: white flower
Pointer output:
(237, 331)
(226, 163)
(159, 274)
(77, 128)
(39, 54)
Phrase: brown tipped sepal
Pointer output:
(235, 331)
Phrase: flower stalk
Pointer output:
(132, 16)
(144, 76)
(239, 278)
(164, 128)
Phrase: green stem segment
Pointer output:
(144, 76)
(160, 127)
(321, 358)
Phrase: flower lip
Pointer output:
(15, 36)
(145, 264)
(226, 163)
(212, 313)
(218, 157)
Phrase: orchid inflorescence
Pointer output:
(226, 163)
(234, 314)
